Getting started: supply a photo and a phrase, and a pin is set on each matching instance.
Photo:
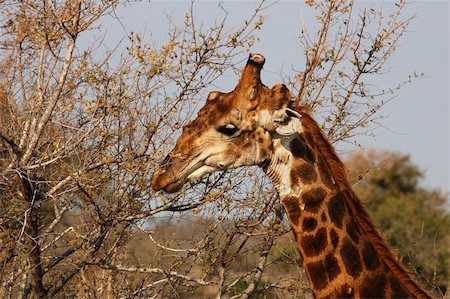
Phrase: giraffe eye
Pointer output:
(227, 130)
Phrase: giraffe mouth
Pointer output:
(172, 181)
(170, 184)
(168, 181)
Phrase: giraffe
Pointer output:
(343, 253)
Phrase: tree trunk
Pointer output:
(35, 288)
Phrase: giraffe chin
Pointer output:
(173, 187)
(164, 182)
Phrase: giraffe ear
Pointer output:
(287, 121)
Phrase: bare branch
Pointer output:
(153, 270)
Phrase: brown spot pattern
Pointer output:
(353, 230)
(316, 272)
(397, 290)
(332, 267)
(305, 173)
(309, 224)
(373, 287)
(334, 238)
(313, 245)
(263, 152)
(221, 106)
(350, 257)
(298, 148)
(324, 173)
(292, 206)
(370, 257)
(313, 199)
(336, 209)
(321, 273)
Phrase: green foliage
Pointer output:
(240, 287)
(413, 219)
(262, 292)
(284, 256)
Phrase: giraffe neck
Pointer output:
(339, 257)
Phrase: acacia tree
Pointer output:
(352, 45)
(78, 138)
(414, 219)
(81, 134)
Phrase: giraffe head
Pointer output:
(233, 129)
(253, 125)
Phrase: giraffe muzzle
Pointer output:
(171, 177)
(163, 181)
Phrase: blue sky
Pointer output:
(417, 120)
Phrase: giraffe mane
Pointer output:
(339, 174)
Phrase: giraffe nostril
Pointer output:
(221, 165)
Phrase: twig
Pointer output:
(174, 274)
